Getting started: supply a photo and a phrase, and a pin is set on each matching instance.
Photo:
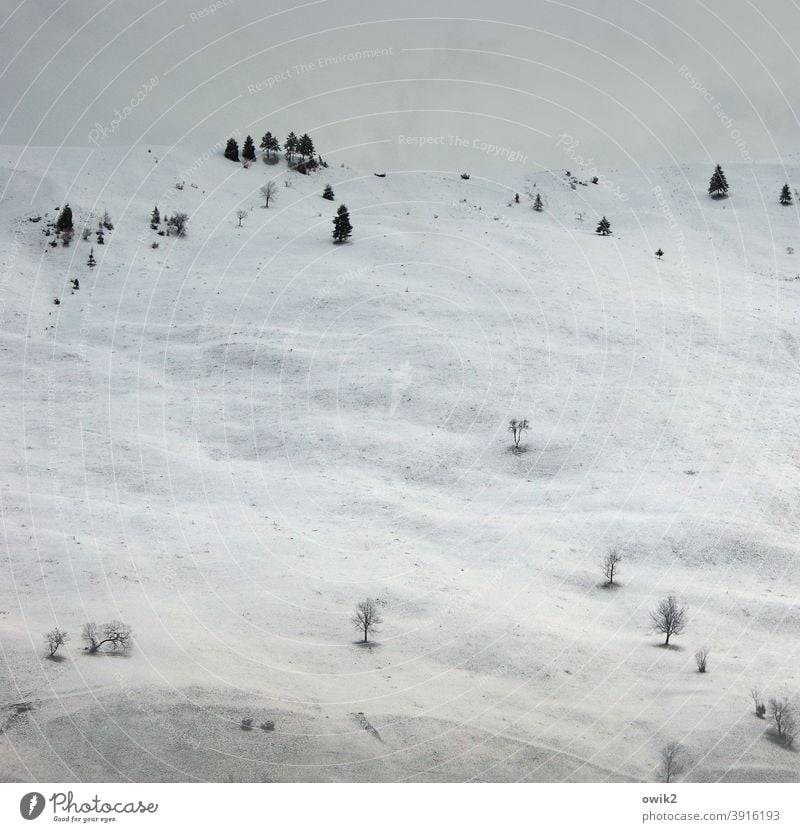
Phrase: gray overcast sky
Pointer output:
(510, 73)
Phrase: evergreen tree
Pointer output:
(305, 147)
(64, 221)
(718, 186)
(249, 149)
(341, 225)
(91, 262)
(232, 150)
(328, 192)
(659, 253)
(290, 146)
(155, 218)
(786, 195)
(603, 227)
(101, 240)
(269, 144)
(537, 203)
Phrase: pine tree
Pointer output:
(603, 227)
(232, 150)
(249, 149)
(537, 203)
(718, 186)
(155, 218)
(269, 144)
(101, 240)
(290, 146)
(305, 147)
(341, 225)
(659, 253)
(64, 221)
(91, 262)
(786, 195)
(328, 193)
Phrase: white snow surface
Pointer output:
(228, 440)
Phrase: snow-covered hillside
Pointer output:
(228, 440)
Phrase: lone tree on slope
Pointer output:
(241, 214)
(328, 193)
(342, 228)
(786, 195)
(718, 186)
(91, 262)
(232, 150)
(673, 761)
(516, 427)
(55, 638)
(782, 716)
(611, 564)
(268, 192)
(366, 618)
(659, 253)
(603, 227)
(248, 149)
(669, 618)
(538, 205)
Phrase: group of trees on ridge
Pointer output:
(298, 151)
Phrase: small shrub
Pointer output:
(269, 725)
(247, 724)
(465, 176)
(701, 659)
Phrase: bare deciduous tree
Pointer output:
(611, 564)
(366, 617)
(240, 215)
(115, 633)
(673, 761)
(669, 618)
(55, 638)
(758, 702)
(782, 715)
(701, 658)
(268, 191)
(516, 427)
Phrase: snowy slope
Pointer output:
(229, 439)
